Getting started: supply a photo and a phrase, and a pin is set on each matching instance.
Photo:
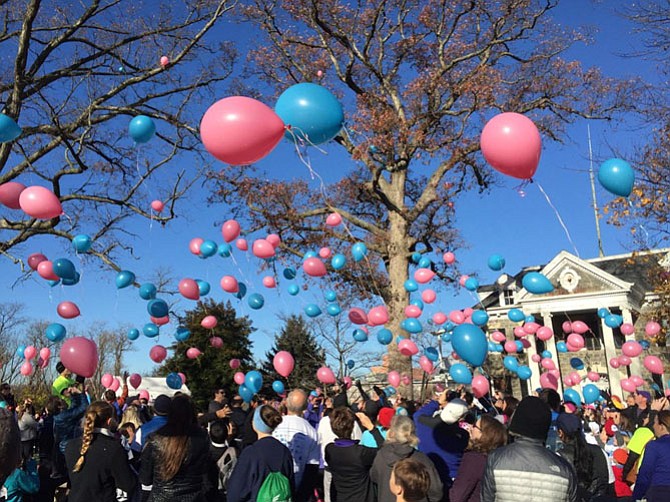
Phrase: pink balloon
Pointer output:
(39, 202)
(106, 380)
(627, 329)
(577, 341)
(80, 356)
(624, 360)
(567, 381)
(194, 245)
(135, 380)
(567, 327)
(115, 384)
(531, 327)
(456, 316)
(480, 386)
(428, 295)
(593, 376)
(283, 363)
(358, 316)
(631, 349)
(216, 342)
(548, 381)
(314, 267)
(230, 230)
(242, 244)
(407, 347)
(575, 378)
(536, 358)
(426, 364)
(193, 353)
(548, 364)
(378, 316)
(158, 353)
(519, 332)
(157, 205)
(274, 240)
(325, 375)
(229, 284)
(511, 144)
(26, 369)
(439, 318)
(30, 352)
(325, 253)
(209, 322)
(423, 275)
(261, 248)
(525, 343)
(333, 220)
(499, 337)
(614, 362)
(234, 364)
(183, 377)
(579, 327)
(35, 259)
(348, 382)
(652, 328)
(510, 347)
(544, 333)
(10, 194)
(45, 353)
(189, 289)
(239, 378)
(627, 385)
(45, 269)
(449, 257)
(67, 310)
(393, 378)
(160, 321)
(413, 311)
(269, 281)
(652, 363)
(239, 130)
(636, 380)
(164, 61)
(467, 311)
(462, 279)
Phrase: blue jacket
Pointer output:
(22, 482)
(146, 431)
(66, 423)
(655, 468)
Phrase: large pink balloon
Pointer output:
(35, 259)
(536, 358)
(652, 363)
(480, 386)
(510, 347)
(531, 327)
(269, 282)
(274, 240)
(512, 145)
(413, 311)
(158, 353)
(428, 295)
(456, 316)
(242, 244)
(393, 378)
(593, 376)
(579, 327)
(283, 363)
(189, 289)
(45, 269)
(261, 248)
(135, 380)
(378, 315)
(614, 362)
(39, 202)
(423, 275)
(229, 284)
(314, 267)
(577, 341)
(45, 353)
(652, 328)
(239, 378)
(631, 349)
(544, 333)
(68, 310)
(10, 193)
(325, 375)
(499, 337)
(194, 245)
(106, 380)
(624, 360)
(115, 384)
(449, 257)
(209, 322)
(548, 381)
(407, 347)
(80, 356)
(234, 364)
(240, 130)
(157, 205)
(627, 385)
(519, 332)
(160, 321)
(627, 329)
(439, 318)
(637, 380)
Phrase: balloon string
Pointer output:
(560, 220)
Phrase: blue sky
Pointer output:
(525, 230)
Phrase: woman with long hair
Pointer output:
(96, 461)
(401, 443)
(174, 460)
(653, 478)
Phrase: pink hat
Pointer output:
(570, 407)
(144, 394)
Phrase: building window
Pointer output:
(591, 341)
(508, 297)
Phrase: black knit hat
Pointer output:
(531, 419)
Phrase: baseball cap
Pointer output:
(569, 423)
(610, 428)
(162, 405)
(644, 394)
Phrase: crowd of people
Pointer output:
(311, 447)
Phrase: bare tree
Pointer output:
(11, 333)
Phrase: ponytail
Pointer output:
(97, 415)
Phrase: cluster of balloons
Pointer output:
(60, 271)
(29, 353)
(36, 201)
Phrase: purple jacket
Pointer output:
(466, 487)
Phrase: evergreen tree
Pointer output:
(212, 369)
(295, 338)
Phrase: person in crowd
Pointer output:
(145, 411)
(28, 426)
(588, 460)
(506, 406)
(10, 444)
(132, 415)
(348, 461)
(375, 437)
(127, 431)
(247, 433)
(485, 436)
(222, 459)
(553, 400)
(401, 443)
(23, 481)
(266, 455)
(622, 489)
(301, 438)
(7, 396)
(66, 424)
(161, 410)
(220, 400)
(638, 413)
(237, 417)
(636, 445)
(315, 407)
(653, 478)
(174, 459)
(63, 381)
(410, 481)
(526, 469)
(96, 461)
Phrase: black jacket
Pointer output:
(597, 485)
(350, 464)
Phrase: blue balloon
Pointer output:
(536, 283)
(293, 289)
(278, 387)
(571, 395)
(133, 334)
(338, 261)
(312, 310)
(576, 363)
(311, 111)
(479, 317)
(256, 301)
(225, 249)
(492, 346)
(245, 393)
(82, 243)
(241, 290)
(471, 284)
(449, 326)
(53, 283)
(613, 320)
(460, 374)
(411, 285)
(331, 296)
(603, 312)
(358, 251)
(591, 393)
(529, 318)
(309, 254)
(253, 381)
(141, 128)
(511, 363)
(289, 273)
(64, 268)
(182, 334)
(333, 309)
(645, 344)
(546, 354)
(158, 308)
(431, 353)
(470, 344)
(208, 248)
(515, 315)
(55, 332)
(148, 291)
(173, 380)
(150, 330)
(71, 282)
(124, 279)
(203, 287)
(617, 177)
(20, 350)
(425, 262)
(416, 256)
(390, 391)
(498, 347)
(561, 347)
(524, 372)
(384, 336)
(9, 129)
(360, 335)
(519, 345)
(417, 303)
(496, 262)
(411, 325)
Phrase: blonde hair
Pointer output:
(132, 415)
(402, 431)
(97, 414)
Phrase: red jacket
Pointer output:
(620, 486)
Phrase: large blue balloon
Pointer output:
(9, 129)
(289, 273)
(571, 395)
(133, 334)
(124, 279)
(208, 248)
(312, 310)
(576, 363)
(182, 334)
(278, 387)
(351, 363)
(460, 374)
(141, 128)
(148, 291)
(470, 344)
(417, 303)
(603, 312)
(173, 380)
(617, 177)
(203, 287)
(82, 243)
(311, 111)
(536, 283)
(384, 336)
(496, 262)
(158, 308)
(150, 330)
(331, 296)
(241, 290)
(479, 317)
(425, 262)
(546, 354)
(55, 332)
(358, 251)
(253, 381)
(591, 393)
(411, 325)
(256, 301)
(613, 320)
(515, 315)
(338, 261)
(64, 268)
(561, 347)
(245, 393)
(471, 284)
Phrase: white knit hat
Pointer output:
(454, 411)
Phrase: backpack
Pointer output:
(226, 464)
(275, 488)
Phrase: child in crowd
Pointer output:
(410, 481)
(23, 481)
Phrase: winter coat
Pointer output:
(653, 477)
(381, 469)
(467, 485)
(22, 482)
(350, 464)
(599, 482)
(526, 470)
(66, 423)
(28, 427)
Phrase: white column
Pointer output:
(534, 380)
(635, 366)
(613, 375)
(551, 347)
